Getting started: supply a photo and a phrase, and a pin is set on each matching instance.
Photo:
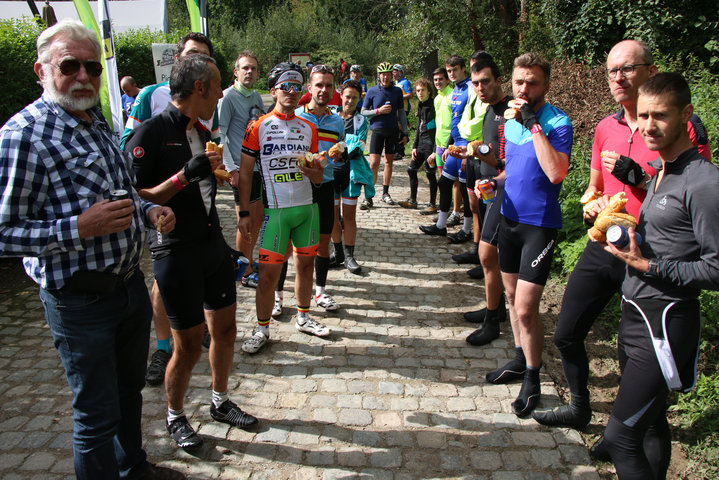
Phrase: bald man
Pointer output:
(129, 93)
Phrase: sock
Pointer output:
(218, 398)
(164, 345)
(319, 290)
(283, 276)
(339, 252)
(349, 250)
(173, 415)
(442, 220)
(475, 248)
(278, 296)
(529, 394)
(467, 226)
(322, 266)
(385, 189)
(264, 326)
(303, 314)
(513, 370)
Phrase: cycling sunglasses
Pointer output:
(322, 69)
(71, 67)
(289, 87)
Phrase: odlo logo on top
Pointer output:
(662, 205)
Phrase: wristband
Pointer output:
(176, 182)
(244, 213)
(653, 271)
(536, 128)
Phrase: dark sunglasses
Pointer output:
(322, 69)
(71, 67)
(289, 87)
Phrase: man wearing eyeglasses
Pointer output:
(59, 169)
(620, 162)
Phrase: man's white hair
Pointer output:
(66, 28)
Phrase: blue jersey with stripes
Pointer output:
(529, 196)
(460, 95)
(330, 128)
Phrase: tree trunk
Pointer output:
(474, 27)
(523, 20)
(430, 63)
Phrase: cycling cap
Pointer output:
(399, 67)
(384, 67)
(285, 72)
(355, 68)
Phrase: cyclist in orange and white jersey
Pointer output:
(276, 141)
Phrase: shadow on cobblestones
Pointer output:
(394, 393)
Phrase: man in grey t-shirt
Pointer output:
(241, 105)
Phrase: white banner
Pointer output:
(113, 82)
(163, 57)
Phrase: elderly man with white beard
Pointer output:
(68, 206)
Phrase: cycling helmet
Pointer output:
(399, 67)
(355, 68)
(285, 71)
(384, 67)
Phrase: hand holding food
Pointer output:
(589, 200)
(220, 173)
(477, 148)
(611, 215)
(309, 160)
(512, 112)
(457, 151)
(337, 150)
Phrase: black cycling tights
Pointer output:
(637, 435)
(596, 278)
(445, 195)
(414, 182)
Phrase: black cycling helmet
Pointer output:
(281, 68)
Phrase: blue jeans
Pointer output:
(103, 340)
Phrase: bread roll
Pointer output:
(473, 146)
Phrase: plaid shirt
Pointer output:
(54, 166)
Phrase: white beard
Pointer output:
(68, 102)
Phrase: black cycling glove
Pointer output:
(628, 171)
(529, 118)
(197, 168)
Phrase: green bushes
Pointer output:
(18, 81)
(133, 50)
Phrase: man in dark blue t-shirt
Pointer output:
(384, 108)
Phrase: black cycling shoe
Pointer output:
(570, 416)
(352, 265)
(433, 230)
(476, 316)
(476, 272)
(156, 369)
(599, 452)
(336, 261)
(512, 371)
(485, 334)
(231, 414)
(183, 434)
(459, 237)
(529, 394)
(466, 257)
